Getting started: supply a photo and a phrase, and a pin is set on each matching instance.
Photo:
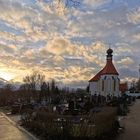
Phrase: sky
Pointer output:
(66, 40)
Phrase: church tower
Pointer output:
(106, 82)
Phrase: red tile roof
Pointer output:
(107, 70)
(96, 77)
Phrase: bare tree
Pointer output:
(132, 88)
(45, 90)
(33, 83)
(52, 86)
(7, 95)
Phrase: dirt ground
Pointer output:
(132, 123)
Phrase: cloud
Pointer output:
(123, 49)
(96, 3)
(126, 61)
(136, 37)
(57, 46)
(7, 49)
(128, 74)
(55, 7)
(65, 48)
(68, 43)
(15, 14)
(99, 47)
(134, 16)
(58, 60)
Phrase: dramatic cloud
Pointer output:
(134, 16)
(68, 41)
(126, 61)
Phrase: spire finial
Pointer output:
(109, 51)
(109, 54)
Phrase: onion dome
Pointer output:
(109, 51)
(109, 68)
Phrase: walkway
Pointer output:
(10, 132)
(132, 123)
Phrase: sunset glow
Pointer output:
(68, 43)
(6, 76)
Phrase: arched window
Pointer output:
(103, 85)
(114, 84)
(109, 84)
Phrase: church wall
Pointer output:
(109, 84)
(93, 87)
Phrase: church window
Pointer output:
(114, 84)
(109, 84)
(105, 78)
(102, 85)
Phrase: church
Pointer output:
(106, 82)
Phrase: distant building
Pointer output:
(106, 82)
(123, 87)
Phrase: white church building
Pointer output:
(106, 82)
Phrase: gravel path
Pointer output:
(132, 124)
(8, 131)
